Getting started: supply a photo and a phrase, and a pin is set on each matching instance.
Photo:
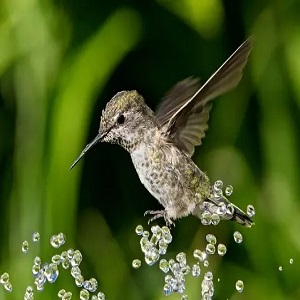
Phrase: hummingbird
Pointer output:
(161, 143)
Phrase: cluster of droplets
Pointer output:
(178, 269)
(4, 280)
(154, 244)
(29, 293)
(207, 286)
(44, 272)
(218, 207)
(69, 259)
(57, 241)
(291, 261)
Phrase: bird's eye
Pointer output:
(121, 119)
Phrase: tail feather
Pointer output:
(240, 217)
(225, 209)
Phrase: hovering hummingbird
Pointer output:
(161, 144)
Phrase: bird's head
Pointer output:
(123, 121)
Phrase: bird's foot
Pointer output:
(159, 214)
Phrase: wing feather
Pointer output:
(184, 112)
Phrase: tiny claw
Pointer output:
(151, 220)
(169, 223)
(147, 212)
(159, 214)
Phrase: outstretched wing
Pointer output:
(184, 112)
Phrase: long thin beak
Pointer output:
(87, 148)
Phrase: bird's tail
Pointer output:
(224, 209)
(240, 217)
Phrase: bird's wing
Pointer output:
(184, 112)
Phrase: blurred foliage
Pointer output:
(61, 61)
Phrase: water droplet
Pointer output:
(51, 272)
(93, 285)
(76, 259)
(54, 241)
(64, 255)
(165, 229)
(181, 258)
(65, 264)
(152, 256)
(219, 279)
(210, 238)
(25, 247)
(56, 259)
(70, 253)
(206, 263)
(37, 261)
(215, 219)
(207, 286)
(210, 249)
(87, 285)
(144, 242)
(4, 278)
(280, 268)
(36, 236)
(40, 279)
(200, 255)
(222, 249)
(155, 229)
(167, 289)
(146, 234)
(29, 295)
(239, 286)
(61, 238)
(291, 261)
(61, 293)
(39, 287)
(229, 190)
(206, 218)
(35, 269)
(8, 286)
(185, 270)
(238, 238)
(208, 276)
(164, 265)
(29, 290)
(163, 246)
(136, 263)
(250, 211)
(79, 280)
(139, 230)
(167, 237)
(178, 285)
(101, 296)
(172, 263)
(184, 297)
(67, 296)
(147, 247)
(218, 185)
(84, 294)
(176, 269)
(154, 239)
(196, 271)
(75, 272)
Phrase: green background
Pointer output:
(61, 61)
